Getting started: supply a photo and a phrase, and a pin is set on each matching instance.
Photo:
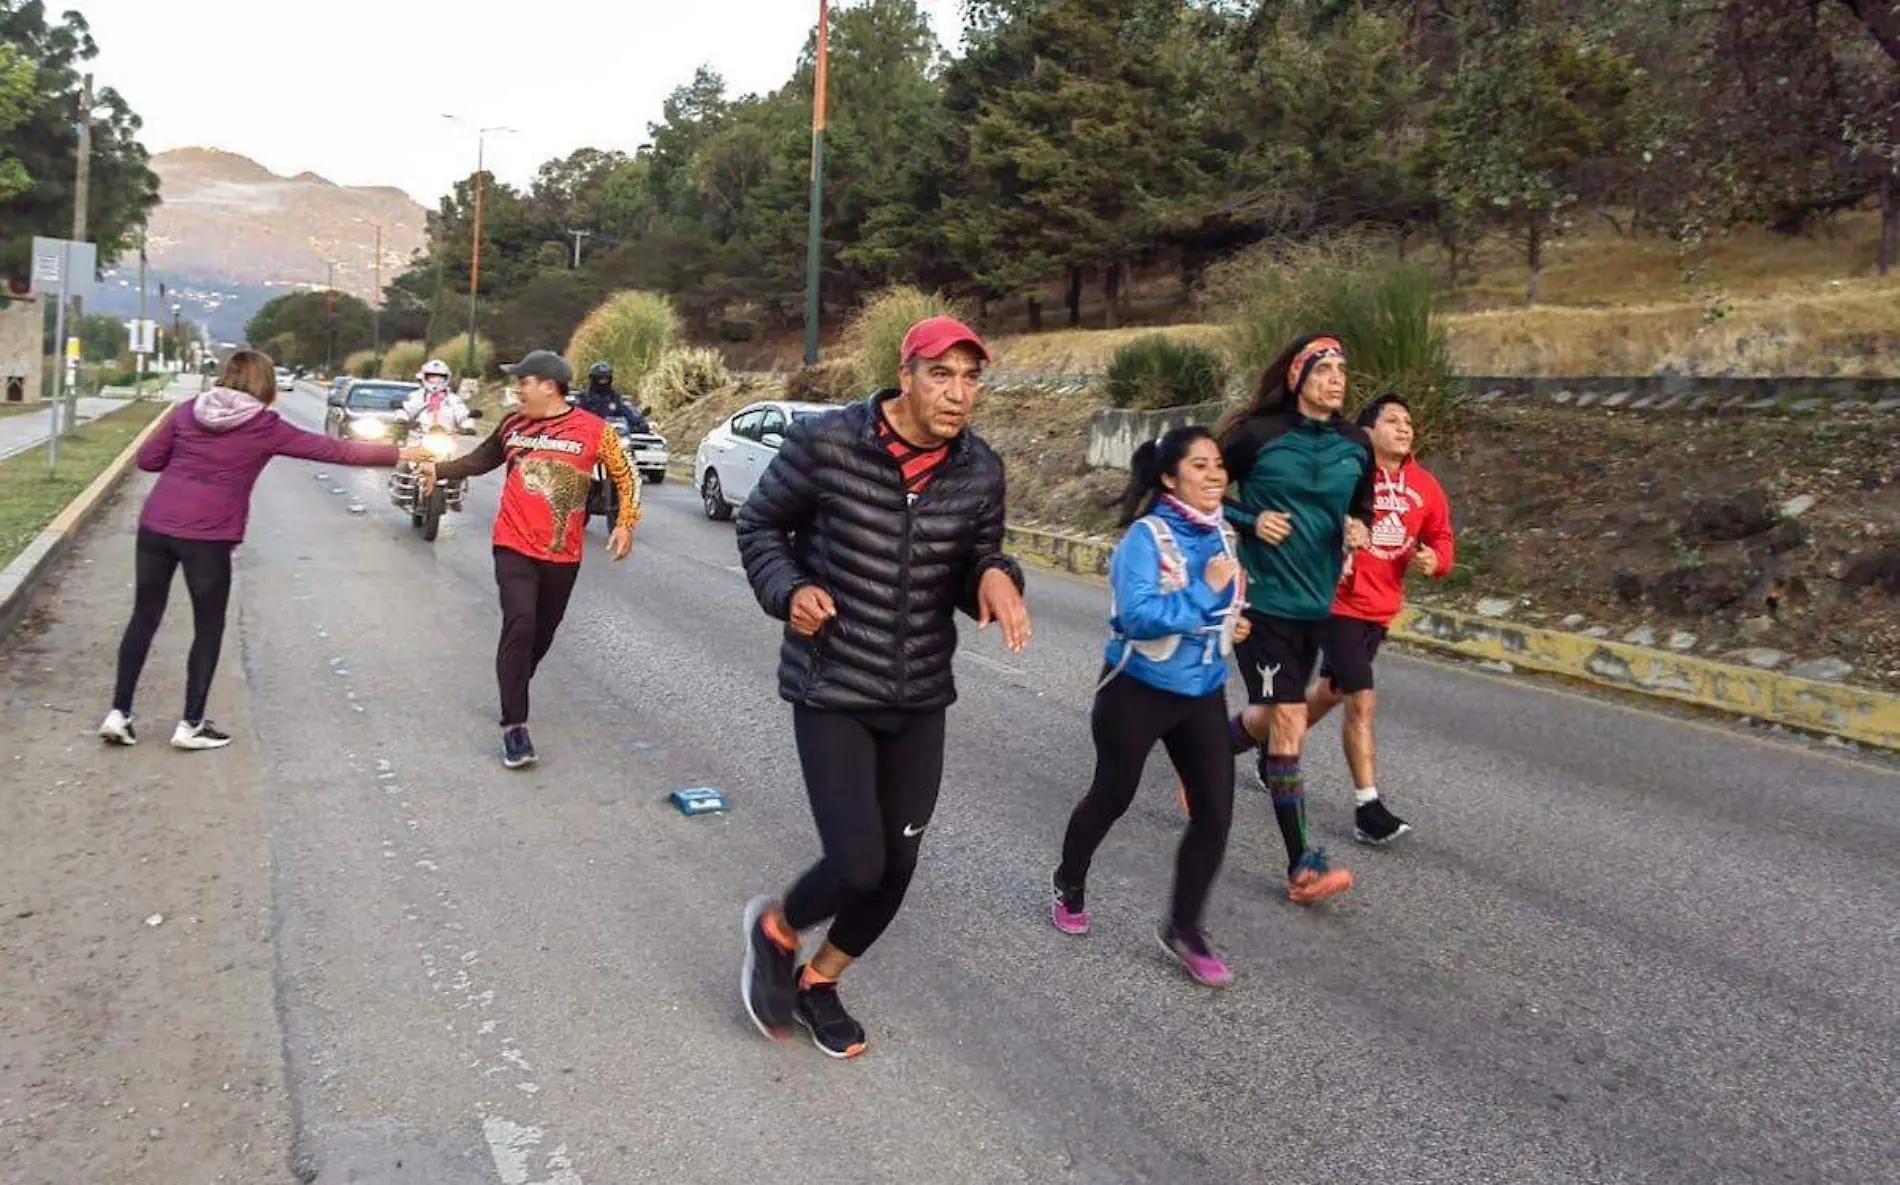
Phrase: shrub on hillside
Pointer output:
(361, 365)
(1384, 310)
(455, 352)
(631, 329)
(403, 359)
(835, 381)
(1156, 372)
(683, 376)
(874, 339)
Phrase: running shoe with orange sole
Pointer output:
(1314, 879)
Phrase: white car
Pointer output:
(733, 455)
(286, 381)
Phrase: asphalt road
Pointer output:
(1618, 948)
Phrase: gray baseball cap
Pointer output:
(542, 364)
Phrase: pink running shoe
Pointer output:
(1067, 912)
(1190, 947)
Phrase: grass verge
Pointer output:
(29, 498)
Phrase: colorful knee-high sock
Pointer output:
(1288, 788)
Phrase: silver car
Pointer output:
(734, 455)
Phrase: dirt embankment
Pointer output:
(1752, 532)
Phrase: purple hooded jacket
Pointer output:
(209, 452)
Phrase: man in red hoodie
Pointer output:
(1411, 525)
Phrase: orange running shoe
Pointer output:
(1314, 880)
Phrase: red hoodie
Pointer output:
(1409, 511)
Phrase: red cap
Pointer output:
(933, 337)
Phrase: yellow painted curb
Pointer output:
(1854, 713)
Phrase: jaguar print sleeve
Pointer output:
(614, 458)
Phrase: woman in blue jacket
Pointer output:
(1176, 596)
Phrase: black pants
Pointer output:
(872, 779)
(534, 595)
(207, 565)
(1128, 718)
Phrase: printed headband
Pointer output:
(1310, 355)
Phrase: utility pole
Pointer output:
(376, 301)
(814, 246)
(139, 345)
(329, 318)
(82, 188)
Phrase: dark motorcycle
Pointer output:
(603, 497)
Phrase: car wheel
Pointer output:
(713, 495)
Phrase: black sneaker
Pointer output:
(1373, 824)
(516, 749)
(769, 981)
(202, 735)
(831, 1027)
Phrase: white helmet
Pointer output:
(434, 366)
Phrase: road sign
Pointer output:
(64, 267)
(143, 335)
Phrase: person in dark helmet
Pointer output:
(603, 400)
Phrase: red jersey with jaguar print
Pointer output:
(550, 464)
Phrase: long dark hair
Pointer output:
(1154, 460)
(1274, 394)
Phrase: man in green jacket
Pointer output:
(1301, 497)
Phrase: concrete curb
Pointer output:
(30, 568)
(1836, 709)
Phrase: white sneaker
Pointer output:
(204, 735)
(118, 730)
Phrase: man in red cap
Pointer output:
(870, 528)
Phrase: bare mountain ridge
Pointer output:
(225, 217)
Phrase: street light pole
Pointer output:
(475, 244)
(814, 245)
(329, 316)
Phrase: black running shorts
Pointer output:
(1277, 659)
(1349, 646)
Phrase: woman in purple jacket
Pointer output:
(208, 454)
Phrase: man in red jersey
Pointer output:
(1411, 526)
(550, 450)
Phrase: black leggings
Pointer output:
(534, 595)
(207, 565)
(1128, 718)
(872, 779)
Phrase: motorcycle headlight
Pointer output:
(367, 429)
(440, 447)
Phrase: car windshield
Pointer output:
(378, 396)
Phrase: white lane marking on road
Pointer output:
(515, 1145)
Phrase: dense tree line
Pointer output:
(1074, 141)
(42, 64)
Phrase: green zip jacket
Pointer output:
(1317, 471)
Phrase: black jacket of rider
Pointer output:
(608, 404)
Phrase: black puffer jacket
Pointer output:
(832, 510)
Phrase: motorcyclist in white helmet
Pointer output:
(435, 405)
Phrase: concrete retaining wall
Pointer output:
(1115, 433)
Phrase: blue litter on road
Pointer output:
(698, 800)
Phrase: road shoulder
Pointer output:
(137, 1005)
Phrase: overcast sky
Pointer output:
(355, 89)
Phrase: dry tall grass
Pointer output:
(1852, 330)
